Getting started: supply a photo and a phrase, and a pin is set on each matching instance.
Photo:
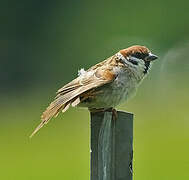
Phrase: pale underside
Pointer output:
(111, 94)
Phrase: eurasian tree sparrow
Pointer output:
(105, 85)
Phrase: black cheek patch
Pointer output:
(133, 62)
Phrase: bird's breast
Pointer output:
(114, 93)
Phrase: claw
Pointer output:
(114, 114)
(94, 110)
(112, 110)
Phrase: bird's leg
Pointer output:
(94, 110)
(112, 110)
(114, 113)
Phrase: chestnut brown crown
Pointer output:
(139, 52)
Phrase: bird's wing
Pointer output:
(69, 94)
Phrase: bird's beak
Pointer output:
(151, 57)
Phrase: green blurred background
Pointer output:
(44, 43)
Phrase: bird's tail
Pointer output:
(53, 110)
(37, 129)
(66, 96)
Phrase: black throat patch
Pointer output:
(147, 65)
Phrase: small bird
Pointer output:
(104, 85)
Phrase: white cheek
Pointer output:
(134, 58)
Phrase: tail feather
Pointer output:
(38, 128)
(63, 100)
(66, 107)
(75, 102)
(49, 113)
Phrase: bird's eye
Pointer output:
(139, 55)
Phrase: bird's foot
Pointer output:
(94, 110)
(114, 113)
(112, 110)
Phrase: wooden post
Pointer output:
(111, 146)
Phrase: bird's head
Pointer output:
(138, 54)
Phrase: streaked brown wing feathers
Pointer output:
(70, 92)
